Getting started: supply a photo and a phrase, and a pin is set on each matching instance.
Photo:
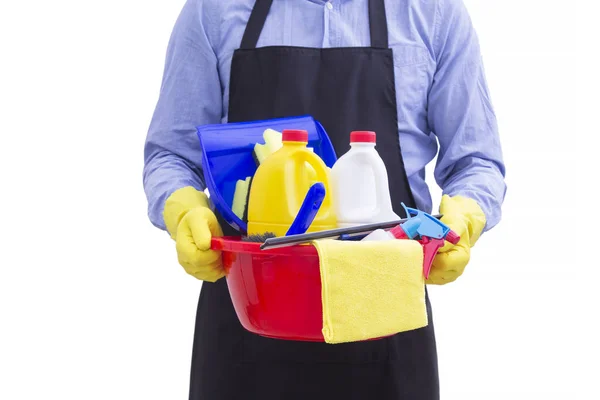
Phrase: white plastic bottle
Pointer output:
(361, 192)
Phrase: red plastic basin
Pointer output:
(276, 293)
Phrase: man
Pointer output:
(411, 71)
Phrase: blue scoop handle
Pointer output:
(309, 209)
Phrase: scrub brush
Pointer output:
(258, 237)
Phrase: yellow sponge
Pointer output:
(240, 197)
(273, 142)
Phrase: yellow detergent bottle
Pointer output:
(281, 183)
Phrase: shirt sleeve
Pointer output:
(190, 96)
(461, 115)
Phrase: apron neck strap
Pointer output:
(377, 24)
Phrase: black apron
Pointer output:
(345, 89)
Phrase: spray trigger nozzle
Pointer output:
(428, 226)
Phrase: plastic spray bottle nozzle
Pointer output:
(398, 233)
(411, 227)
(452, 237)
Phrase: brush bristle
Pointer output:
(259, 237)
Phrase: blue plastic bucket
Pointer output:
(227, 156)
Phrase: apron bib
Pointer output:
(345, 89)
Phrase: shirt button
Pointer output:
(329, 5)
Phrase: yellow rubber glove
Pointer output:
(192, 225)
(464, 216)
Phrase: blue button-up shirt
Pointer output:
(442, 95)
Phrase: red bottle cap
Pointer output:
(363, 137)
(294, 135)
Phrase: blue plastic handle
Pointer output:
(309, 209)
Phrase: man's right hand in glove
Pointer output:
(192, 224)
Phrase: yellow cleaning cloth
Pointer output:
(371, 289)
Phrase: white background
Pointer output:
(93, 304)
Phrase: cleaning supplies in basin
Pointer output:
(360, 184)
(351, 233)
(228, 156)
(281, 183)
